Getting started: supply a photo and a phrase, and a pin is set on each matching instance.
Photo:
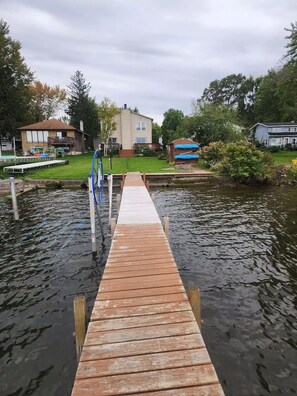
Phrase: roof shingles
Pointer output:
(52, 124)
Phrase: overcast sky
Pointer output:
(153, 54)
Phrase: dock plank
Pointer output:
(98, 324)
(147, 362)
(120, 349)
(147, 381)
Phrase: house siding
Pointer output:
(126, 131)
(261, 133)
(276, 135)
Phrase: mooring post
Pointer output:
(113, 223)
(166, 226)
(79, 307)
(92, 214)
(14, 199)
(148, 185)
(118, 203)
(144, 178)
(110, 186)
(195, 302)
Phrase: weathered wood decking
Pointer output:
(143, 338)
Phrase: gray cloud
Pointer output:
(153, 54)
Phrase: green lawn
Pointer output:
(284, 157)
(81, 165)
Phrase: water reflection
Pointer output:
(240, 246)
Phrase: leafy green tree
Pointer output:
(211, 123)
(292, 44)
(81, 107)
(267, 103)
(235, 91)
(170, 127)
(276, 99)
(286, 91)
(106, 111)
(45, 101)
(156, 132)
(15, 77)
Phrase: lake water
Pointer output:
(238, 244)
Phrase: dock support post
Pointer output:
(166, 226)
(195, 302)
(118, 203)
(110, 183)
(147, 184)
(153, 196)
(14, 199)
(144, 178)
(92, 215)
(79, 306)
(113, 223)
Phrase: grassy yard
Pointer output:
(81, 165)
(284, 157)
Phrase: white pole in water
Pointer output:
(110, 182)
(14, 199)
(92, 214)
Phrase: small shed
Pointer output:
(183, 151)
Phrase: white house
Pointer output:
(275, 133)
(132, 128)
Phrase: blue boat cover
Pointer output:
(186, 146)
(186, 156)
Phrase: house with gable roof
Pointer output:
(275, 133)
(52, 133)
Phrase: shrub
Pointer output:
(213, 153)
(243, 162)
(292, 172)
(143, 150)
(274, 149)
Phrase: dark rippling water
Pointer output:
(238, 244)
(44, 262)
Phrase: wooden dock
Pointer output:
(142, 338)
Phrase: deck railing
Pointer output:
(61, 140)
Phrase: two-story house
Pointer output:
(132, 128)
(275, 133)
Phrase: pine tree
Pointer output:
(81, 107)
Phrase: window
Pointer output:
(113, 140)
(140, 126)
(276, 142)
(45, 136)
(59, 135)
(64, 134)
(265, 141)
(29, 136)
(293, 140)
(141, 140)
(34, 136)
(37, 136)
